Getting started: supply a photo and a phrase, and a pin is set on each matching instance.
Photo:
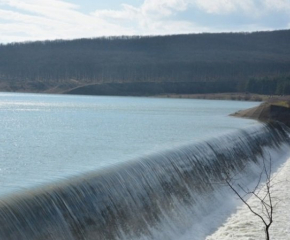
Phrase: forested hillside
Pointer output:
(195, 63)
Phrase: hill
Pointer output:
(257, 62)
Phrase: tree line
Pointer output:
(240, 59)
(270, 86)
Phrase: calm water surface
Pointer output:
(48, 137)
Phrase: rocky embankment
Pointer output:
(274, 109)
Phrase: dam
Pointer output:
(56, 184)
(156, 197)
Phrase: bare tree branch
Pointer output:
(266, 200)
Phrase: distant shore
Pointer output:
(272, 108)
(221, 96)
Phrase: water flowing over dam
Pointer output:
(159, 196)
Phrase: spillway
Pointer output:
(164, 195)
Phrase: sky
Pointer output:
(29, 20)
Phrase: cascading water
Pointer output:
(160, 196)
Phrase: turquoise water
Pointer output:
(49, 137)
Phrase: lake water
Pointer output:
(49, 137)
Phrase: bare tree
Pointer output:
(264, 197)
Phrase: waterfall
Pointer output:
(159, 196)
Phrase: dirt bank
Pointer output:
(274, 109)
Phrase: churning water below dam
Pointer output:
(125, 168)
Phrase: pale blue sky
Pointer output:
(88, 5)
(28, 20)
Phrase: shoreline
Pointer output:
(274, 109)
(220, 96)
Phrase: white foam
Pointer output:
(244, 225)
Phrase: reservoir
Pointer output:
(126, 168)
(49, 137)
